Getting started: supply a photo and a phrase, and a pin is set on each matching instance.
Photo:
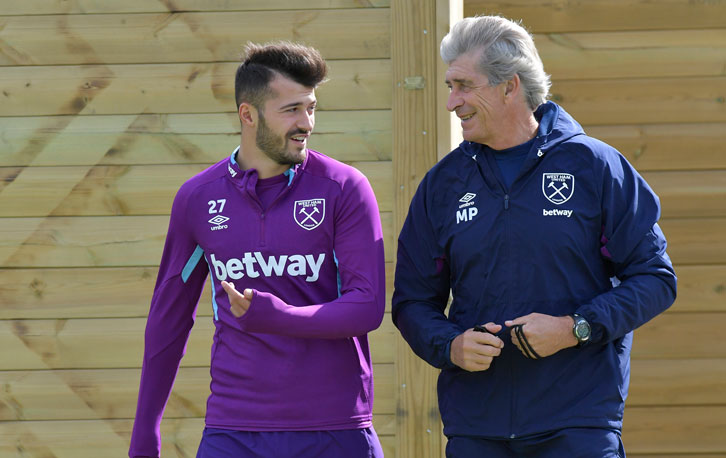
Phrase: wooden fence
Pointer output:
(107, 107)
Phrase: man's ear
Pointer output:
(512, 85)
(512, 88)
(248, 114)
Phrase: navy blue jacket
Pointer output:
(577, 221)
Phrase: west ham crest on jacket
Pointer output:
(558, 187)
(309, 213)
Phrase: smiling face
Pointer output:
(286, 121)
(481, 107)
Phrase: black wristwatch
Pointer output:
(581, 329)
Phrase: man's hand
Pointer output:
(239, 303)
(474, 351)
(546, 334)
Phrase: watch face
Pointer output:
(582, 330)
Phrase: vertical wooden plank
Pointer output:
(421, 127)
(413, 54)
(448, 130)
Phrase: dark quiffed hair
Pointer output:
(300, 63)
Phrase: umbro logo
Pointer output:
(218, 223)
(467, 197)
(464, 213)
(219, 219)
(467, 200)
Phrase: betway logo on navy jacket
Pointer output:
(576, 216)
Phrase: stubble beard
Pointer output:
(276, 146)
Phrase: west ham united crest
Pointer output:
(558, 187)
(309, 213)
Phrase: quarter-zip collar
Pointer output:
(248, 178)
(555, 126)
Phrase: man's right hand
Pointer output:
(474, 350)
(239, 302)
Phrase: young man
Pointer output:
(530, 224)
(293, 242)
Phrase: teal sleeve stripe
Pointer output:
(337, 268)
(215, 308)
(192, 263)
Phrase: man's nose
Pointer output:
(307, 122)
(454, 101)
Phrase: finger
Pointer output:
(489, 327)
(486, 351)
(479, 364)
(491, 346)
(484, 343)
(493, 328)
(248, 294)
(228, 287)
(488, 338)
(516, 321)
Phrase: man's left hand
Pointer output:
(546, 334)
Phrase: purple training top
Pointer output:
(299, 359)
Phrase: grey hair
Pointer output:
(506, 49)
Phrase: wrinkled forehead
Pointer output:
(465, 69)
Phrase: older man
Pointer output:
(548, 241)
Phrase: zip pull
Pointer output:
(506, 201)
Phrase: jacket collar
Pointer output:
(555, 126)
(240, 176)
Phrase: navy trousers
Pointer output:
(569, 442)
(349, 443)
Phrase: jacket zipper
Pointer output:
(263, 235)
(262, 229)
(251, 193)
(262, 211)
(509, 301)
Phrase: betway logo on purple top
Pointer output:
(253, 264)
